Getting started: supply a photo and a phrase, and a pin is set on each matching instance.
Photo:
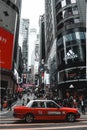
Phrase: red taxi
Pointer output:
(45, 110)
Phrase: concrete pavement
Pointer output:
(17, 103)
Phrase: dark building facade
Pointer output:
(42, 56)
(71, 44)
(70, 34)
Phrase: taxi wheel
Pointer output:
(29, 118)
(71, 117)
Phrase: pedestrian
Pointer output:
(71, 101)
(82, 104)
(10, 103)
(23, 103)
(28, 100)
(5, 103)
(2, 104)
(75, 102)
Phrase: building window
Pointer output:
(77, 35)
(60, 27)
(68, 2)
(73, 1)
(63, 3)
(58, 7)
(60, 41)
(59, 17)
(69, 21)
(70, 37)
(76, 20)
(75, 10)
(67, 12)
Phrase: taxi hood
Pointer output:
(68, 109)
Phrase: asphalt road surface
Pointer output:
(8, 122)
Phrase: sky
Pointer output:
(32, 9)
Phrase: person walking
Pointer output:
(28, 100)
(2, 102)
(10, 103)
(82, 104)
(23, 103)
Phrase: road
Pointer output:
(8, 122)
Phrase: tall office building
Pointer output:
(70, 32)
(24, 32)
(9, 27)
(50, 42)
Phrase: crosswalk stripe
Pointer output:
(50, 128)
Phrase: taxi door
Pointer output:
(53, 112)
(39, 111)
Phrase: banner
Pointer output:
(6, 48)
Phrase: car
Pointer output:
(45, 110)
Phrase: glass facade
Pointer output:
(71, 54)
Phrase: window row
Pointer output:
(66, 2)
(72, 74)
(67, 13)
(71, 37)
(70, 11)
(68, 22)
(63, 3)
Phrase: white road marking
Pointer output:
(50, 128)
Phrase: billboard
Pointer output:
(6, 48)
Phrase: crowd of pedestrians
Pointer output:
(73, 102)
(69, 101)
(6, 102)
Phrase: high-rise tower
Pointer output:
(70, 33)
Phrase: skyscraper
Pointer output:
(24, 31)
(70, 33)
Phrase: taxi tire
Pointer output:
(29, 118)
(71, 117)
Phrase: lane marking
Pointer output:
(49, 128)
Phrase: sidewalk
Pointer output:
(16, 103)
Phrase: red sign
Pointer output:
(6, 49)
